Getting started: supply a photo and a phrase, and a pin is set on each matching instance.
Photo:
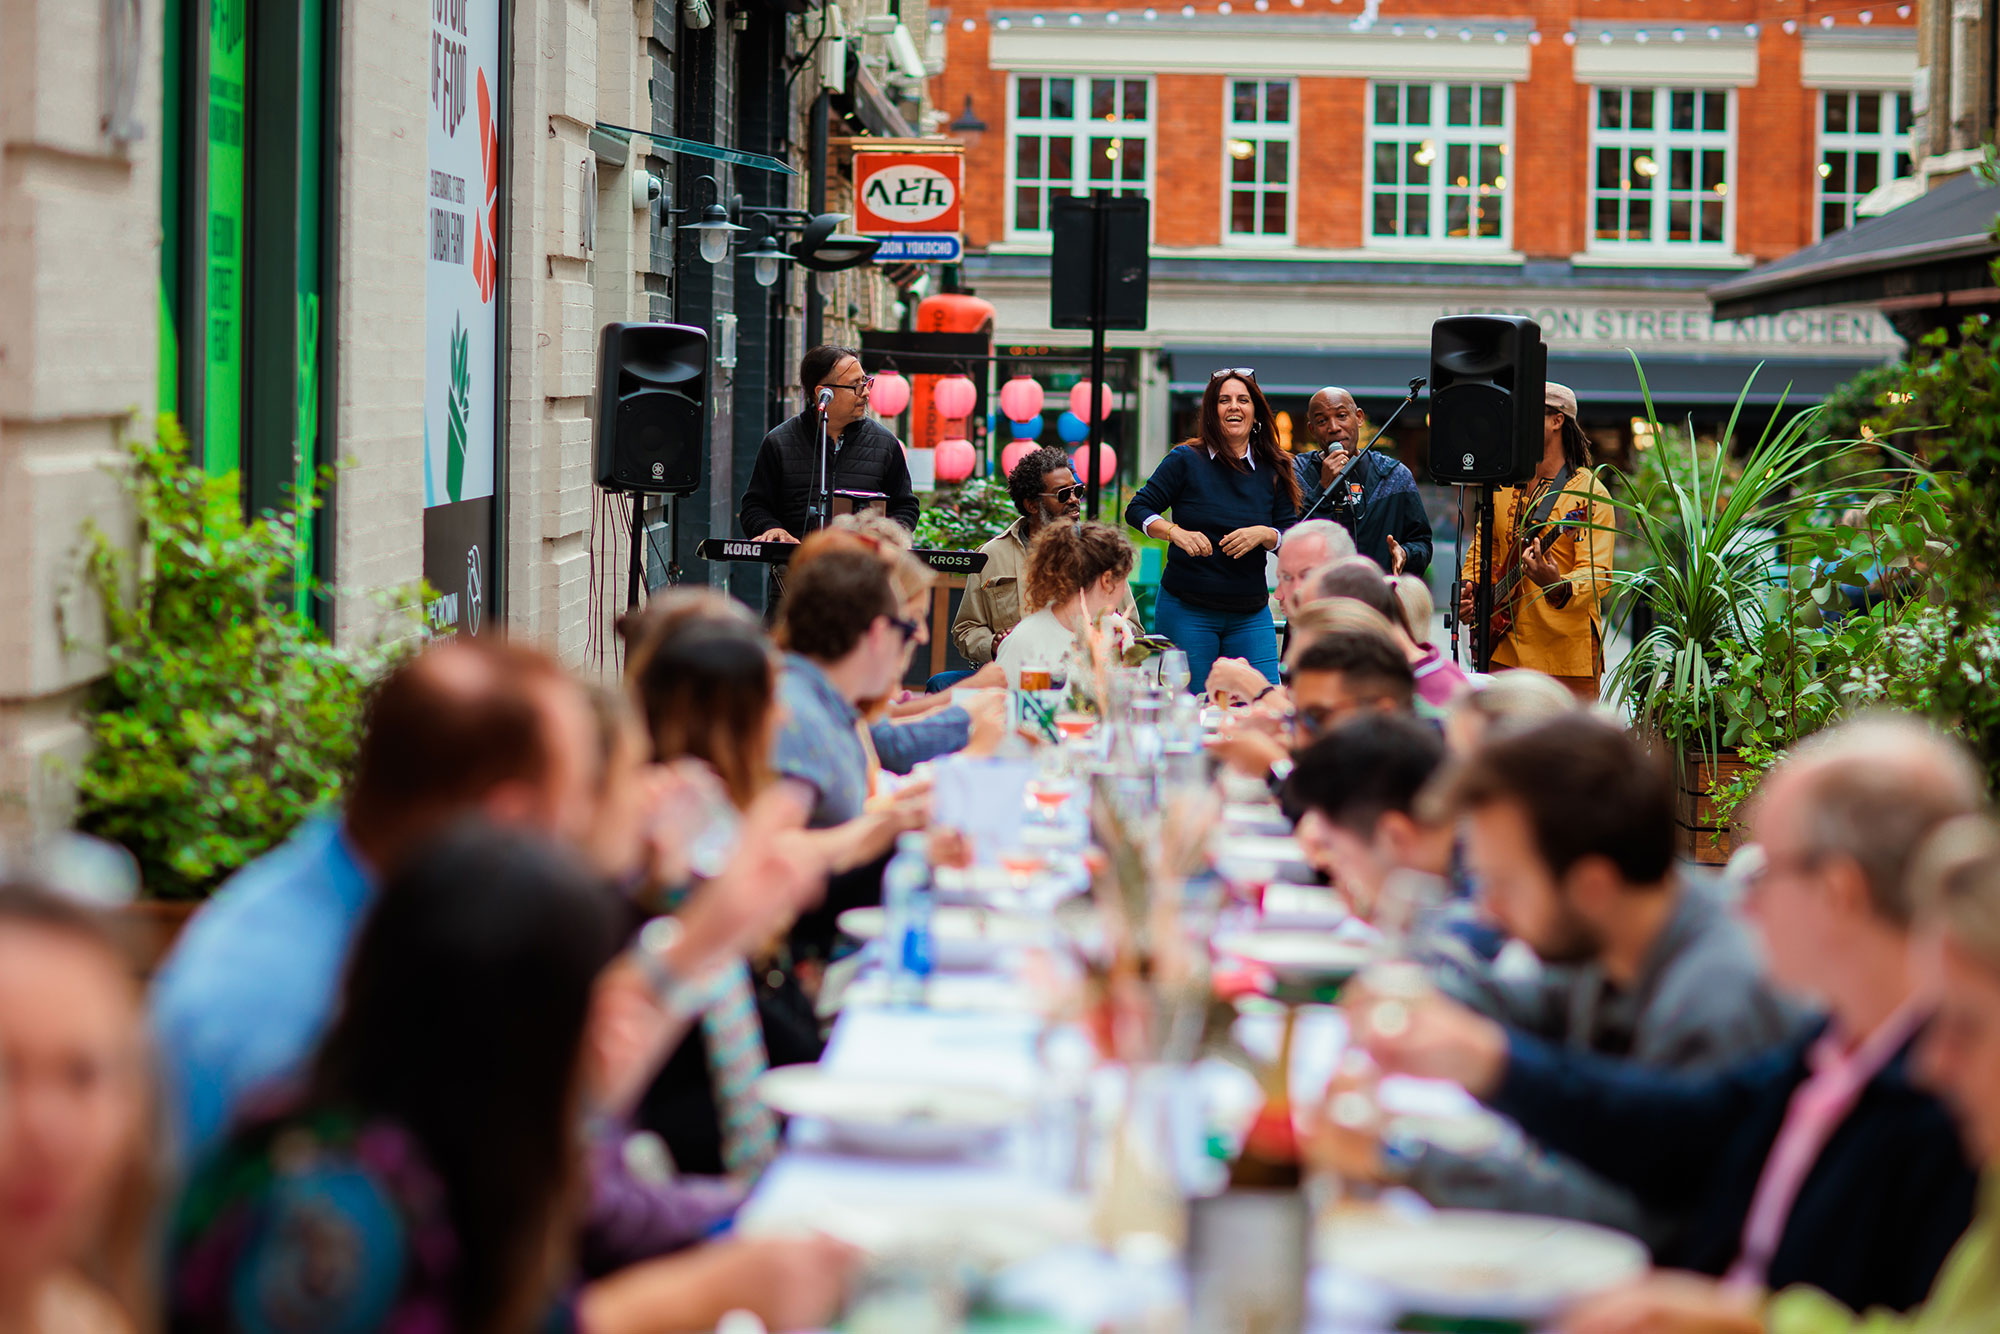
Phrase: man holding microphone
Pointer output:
(1381, 507)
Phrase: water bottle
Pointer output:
(906, 904)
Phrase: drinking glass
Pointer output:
(1174, 671)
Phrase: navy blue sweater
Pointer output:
(1209, 497)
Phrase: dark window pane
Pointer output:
(1458, 104)
(1388, 99)
(1680, 220)
(1715, 113)
(1274, 213)
(1028, 98)
(1608, 174)
(1458, 164)
(1832, 218)
(1243, 101)
(1680, 169)
(1489, 216)
(1836, 176)
(1132, 160)
(1243, 170)
(1903, 115)
(1457, 215)
(1492, 106)
(1610, 109)
(1492, 165)
(1638, 219)
(1027, 158)
(1711, 220)
(1417, 171)
(1713, 169)
(1837, 105)
(1028, 209)
(1062, 99)
(1902, 165)
(1607, 220)
(1135, 99)
(1681, 110)
(1103, 159)
(1642, 109)
(1868, 113)
(1417, 215)
(1417, 109)
(1061, 153)
(1104, 99)
(1277, 162)
(1385, 214)
(1243, 212)
(1867, 172)
(1278, 101)
(1386, 158)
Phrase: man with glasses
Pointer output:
(1382, 508)
(1340, 675)
(866, 456)
(1046, 492)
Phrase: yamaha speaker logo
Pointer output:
(473, 594)
(1465, 462)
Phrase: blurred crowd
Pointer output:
(476, 1051)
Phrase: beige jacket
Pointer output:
(992, 602)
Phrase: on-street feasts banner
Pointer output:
(461, 326)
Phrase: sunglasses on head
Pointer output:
(1241, 372)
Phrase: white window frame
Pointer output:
(1887, 143)
(1081, 129)
(1658, 144)
(1442, 138)
(1257, 134)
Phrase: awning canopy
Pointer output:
(1935, 245)
(1674, 381)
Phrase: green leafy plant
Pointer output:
(965, 516)
(224, 717)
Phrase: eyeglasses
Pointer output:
(1244, 372)
(858, 388)
(1062, 495)
(910, 629)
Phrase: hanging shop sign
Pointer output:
(462, 312)
(914, 199)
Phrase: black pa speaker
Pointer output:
(652, 408)
(1127, 222)
(1486, 398)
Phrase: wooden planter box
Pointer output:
(1700, 835)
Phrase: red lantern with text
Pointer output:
(955, 459)
(1079, 399)
(1021, 398)
(889, 395)
(1107, 464)
(1015, 452)
(956, 397)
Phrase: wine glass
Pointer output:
(1174, 674)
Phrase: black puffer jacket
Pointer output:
(867, 457)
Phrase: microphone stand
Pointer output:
(819, 508)
(1417, 384)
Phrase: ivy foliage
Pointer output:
(224, 717)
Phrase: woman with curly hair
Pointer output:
(1076, 573)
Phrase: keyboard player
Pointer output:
(866, 455)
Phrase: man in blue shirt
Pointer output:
(1382, 507)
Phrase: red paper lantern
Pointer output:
(955, 397)
(955, 459)
(1021, 398)
(1015, 452)
(1079, 399)
(1107, 463)
(890, 394)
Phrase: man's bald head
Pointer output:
(1872, 791)
(456, 725)
(1332, 417)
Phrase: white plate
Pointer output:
(892, 1118)
(1259, 857)
(1303, 907)
(969, 1228)
(957, 993)
(997, 887)
(1255, 817)
(1299, 958)
(1468, 1263)
(960, 937)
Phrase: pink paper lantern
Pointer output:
(890, 394)
(1079, 399)
(1015, 452)
(1107, 464)
(1021, 398)
(955, 397)
(955, 459)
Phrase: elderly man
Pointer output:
(1304, 551)
(1381, 506)
(1046, 492)
(1820, 1160)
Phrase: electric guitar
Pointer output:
(1541, 525)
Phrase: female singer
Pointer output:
(1232, 492)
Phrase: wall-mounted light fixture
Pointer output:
(968, 128)
(715, 230)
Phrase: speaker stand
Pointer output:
(1482, 593)
(1100, 280)
(637, 578)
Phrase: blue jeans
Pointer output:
(945, 681)
(1206, 635)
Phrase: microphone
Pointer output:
(1417, 382)
(825, 397)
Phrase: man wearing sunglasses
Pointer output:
(866, 455)
(1046, 492)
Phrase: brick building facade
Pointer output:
(1329, 176)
